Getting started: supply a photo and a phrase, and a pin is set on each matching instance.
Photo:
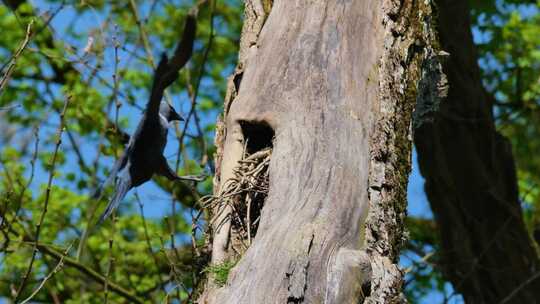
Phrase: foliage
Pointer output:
(72, 52)
(511, 70)
(220, 272)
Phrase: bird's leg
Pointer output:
(165, 170)
(169, 173)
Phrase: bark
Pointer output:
(471, 178)
(330, 86)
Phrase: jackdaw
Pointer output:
(143, 156)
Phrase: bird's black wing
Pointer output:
(120, 163)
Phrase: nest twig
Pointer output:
(245, 194)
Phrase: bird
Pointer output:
(143, 155)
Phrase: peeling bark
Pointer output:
(335, 81)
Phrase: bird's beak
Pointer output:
(176, 116)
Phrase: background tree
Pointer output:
(485, 249)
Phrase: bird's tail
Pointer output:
(122, 188)
(96, 197)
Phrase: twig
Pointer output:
(520, 287)
(115, 79)
(195, 93)
(248, 217)
(80, 158)
(3, 218)
(52, 273)
(180, 137)
(92, 274)
(19, 51)
(46, 201)
(175, 272)
(144, 40)
(111, 257)
(424, 259)
(173, 247)
(142, 33)
(148, 243)
(176, 287)
(9, 107)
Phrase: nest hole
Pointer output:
(257, 136)
(246, 193)
(253, 179)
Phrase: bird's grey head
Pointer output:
(167, 111)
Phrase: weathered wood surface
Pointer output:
(331, 79)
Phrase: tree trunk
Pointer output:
(329, 86)
(471, 179)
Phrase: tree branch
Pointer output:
(90, 273)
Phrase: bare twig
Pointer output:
(3, 218)
(176, 272)
(9, 107)
(144, 39)
(80, 158)
(195, 92)
(520, 287)
(115, 79)
(147, 238)
(7, 74)
(46, 201)
(111, 257)
(92, 274)
(47, 277)
(243, 195)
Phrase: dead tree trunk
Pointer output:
(329, 86)
(471, 179)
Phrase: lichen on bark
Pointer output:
(410, 41)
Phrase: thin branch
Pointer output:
(148, 243)
(167, 70)
(89, 272)
(115, 79)
(142, 33)
(195, 92)
(520, 287)
(78, 153)
(11, 107)
(46, 278)
(111, 257)
(46, 201)
(144, 39)
(7, 74)
(3, 218)
(172, 265)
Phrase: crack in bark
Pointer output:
(297, 273)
